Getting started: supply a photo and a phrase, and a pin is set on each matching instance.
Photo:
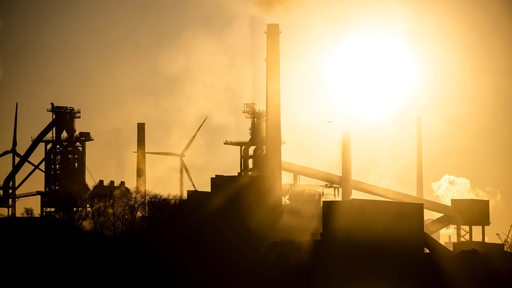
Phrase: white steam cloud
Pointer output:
(453, 187)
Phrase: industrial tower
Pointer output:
(64, 166)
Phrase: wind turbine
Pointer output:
(12, 150)
(14, 153)
(181, 155)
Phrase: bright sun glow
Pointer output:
(370, 75)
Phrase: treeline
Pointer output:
(124, 237)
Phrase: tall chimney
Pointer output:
(419, 160)
(141, 157)
(346, 167)
(273, 107)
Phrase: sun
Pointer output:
(369, 75)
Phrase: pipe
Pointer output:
(365, 187)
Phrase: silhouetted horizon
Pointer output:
(347, 144)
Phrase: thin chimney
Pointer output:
(141, 157)
(419, 159)
(346, 167)
(273, 110)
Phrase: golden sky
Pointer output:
(171, 63)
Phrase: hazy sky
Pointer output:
(172, 63)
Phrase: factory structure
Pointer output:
(259, 183)
(64, 166)
(391, 228)
(345, 232)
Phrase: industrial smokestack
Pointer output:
(346, 167)
(141, 157)
(419, 160)
(273, 107)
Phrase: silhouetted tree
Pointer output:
(161, 205)
(115, 209)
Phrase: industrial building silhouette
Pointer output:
(241, 234)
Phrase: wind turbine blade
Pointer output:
(164, 153)
(193, 136)
(188, 173)
(14, 140)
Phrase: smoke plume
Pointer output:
(453, 187)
